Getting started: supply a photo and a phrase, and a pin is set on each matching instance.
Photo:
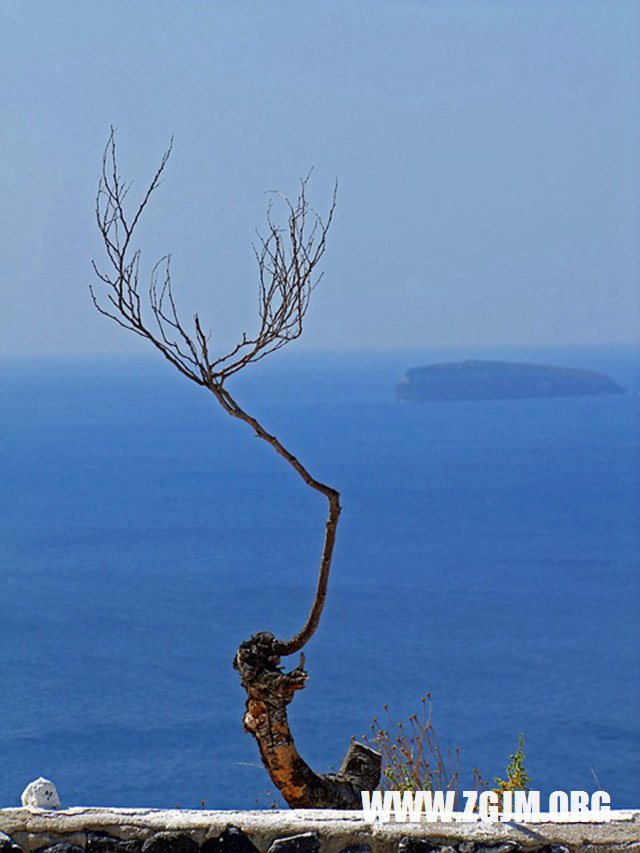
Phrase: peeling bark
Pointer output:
(269, 691)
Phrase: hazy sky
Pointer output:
(487, 155)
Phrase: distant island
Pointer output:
(500, 380)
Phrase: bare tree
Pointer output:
(287, 258)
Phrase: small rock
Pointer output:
(305, 842)
(507, 847)
(420, 845)
(170, 842)
(8, 845)
(555, 848)
(232, 840)
(60, 847)
(357, 848)
(101, 842)
(40, 794)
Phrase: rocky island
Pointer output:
(496, 380)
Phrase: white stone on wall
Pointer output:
(40, 794)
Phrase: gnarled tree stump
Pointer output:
(269, 691)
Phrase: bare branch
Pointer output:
(287, 256)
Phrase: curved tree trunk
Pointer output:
(269, 691)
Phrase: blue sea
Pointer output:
(488, 552)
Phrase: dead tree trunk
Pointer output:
(269, 691)
(287, 259)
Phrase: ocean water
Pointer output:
(488, 552)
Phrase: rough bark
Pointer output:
(269, 691)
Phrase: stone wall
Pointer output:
(96, 830)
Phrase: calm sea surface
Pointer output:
(488, 552)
